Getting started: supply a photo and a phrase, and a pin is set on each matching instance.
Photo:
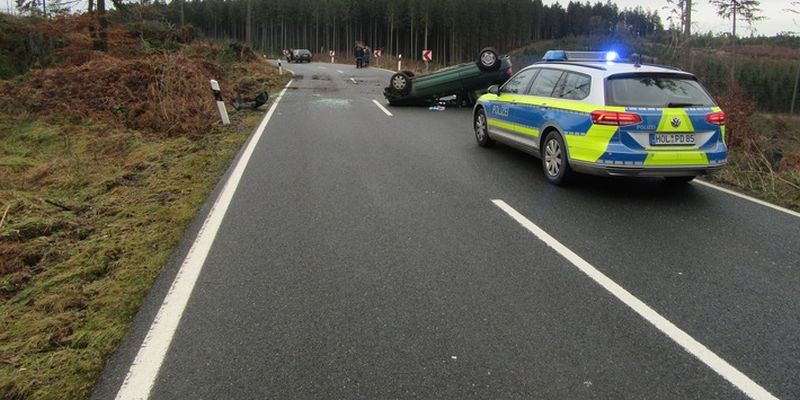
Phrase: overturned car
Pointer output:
(467, 81)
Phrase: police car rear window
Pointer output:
(655, 90)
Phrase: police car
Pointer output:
(590, 112)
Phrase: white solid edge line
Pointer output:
(746, 197)
(385, 111)
(697, 349)
(143, 371)
(384, 69)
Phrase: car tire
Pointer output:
(400, 83)
(554, 159)
(488, 59)
(678, 180)
(481, 127)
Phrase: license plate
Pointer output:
(672, 139)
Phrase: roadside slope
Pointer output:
(104, 161)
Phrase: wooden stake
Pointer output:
(4, 215)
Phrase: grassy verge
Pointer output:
(764, 160)
(93, 215)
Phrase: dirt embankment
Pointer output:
(134, 84)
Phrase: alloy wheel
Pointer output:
(552, 157)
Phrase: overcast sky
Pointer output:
(704, 18)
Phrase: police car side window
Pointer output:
(545, 83)
(519, 82)
(575, 86)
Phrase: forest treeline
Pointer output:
(454, 29)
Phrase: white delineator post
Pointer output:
(399, 62)
(332, 54)
(223, 112)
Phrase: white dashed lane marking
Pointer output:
(692, 346)
(385, 111)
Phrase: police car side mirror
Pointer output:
(494, 89)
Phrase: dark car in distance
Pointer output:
(299, 55)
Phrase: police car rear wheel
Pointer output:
(481, 130)
(554, 159)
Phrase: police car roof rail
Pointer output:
(579, 64)
(662, 66)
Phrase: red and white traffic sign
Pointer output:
(427, 55)
(286, 52)
(332, 53)
(377, 53)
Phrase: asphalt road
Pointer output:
(361, 257)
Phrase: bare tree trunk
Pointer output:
(453, 45)
(411, 49)
(794, 93)
(248, 25)
(425, 40)
(101, 43)
(182, 14)
(687, 29)
(733, 47)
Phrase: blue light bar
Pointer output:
(561, 55)
(555, 55)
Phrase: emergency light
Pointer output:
(561, 55)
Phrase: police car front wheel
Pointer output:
(482, 130)
(554, 158)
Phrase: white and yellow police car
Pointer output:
(591, 113)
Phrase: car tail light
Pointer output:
(509, 72)
(716, 118)
(615, 118)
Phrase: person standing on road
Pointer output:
(359, 55)
(367, 56)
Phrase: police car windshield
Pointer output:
(655, 90)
